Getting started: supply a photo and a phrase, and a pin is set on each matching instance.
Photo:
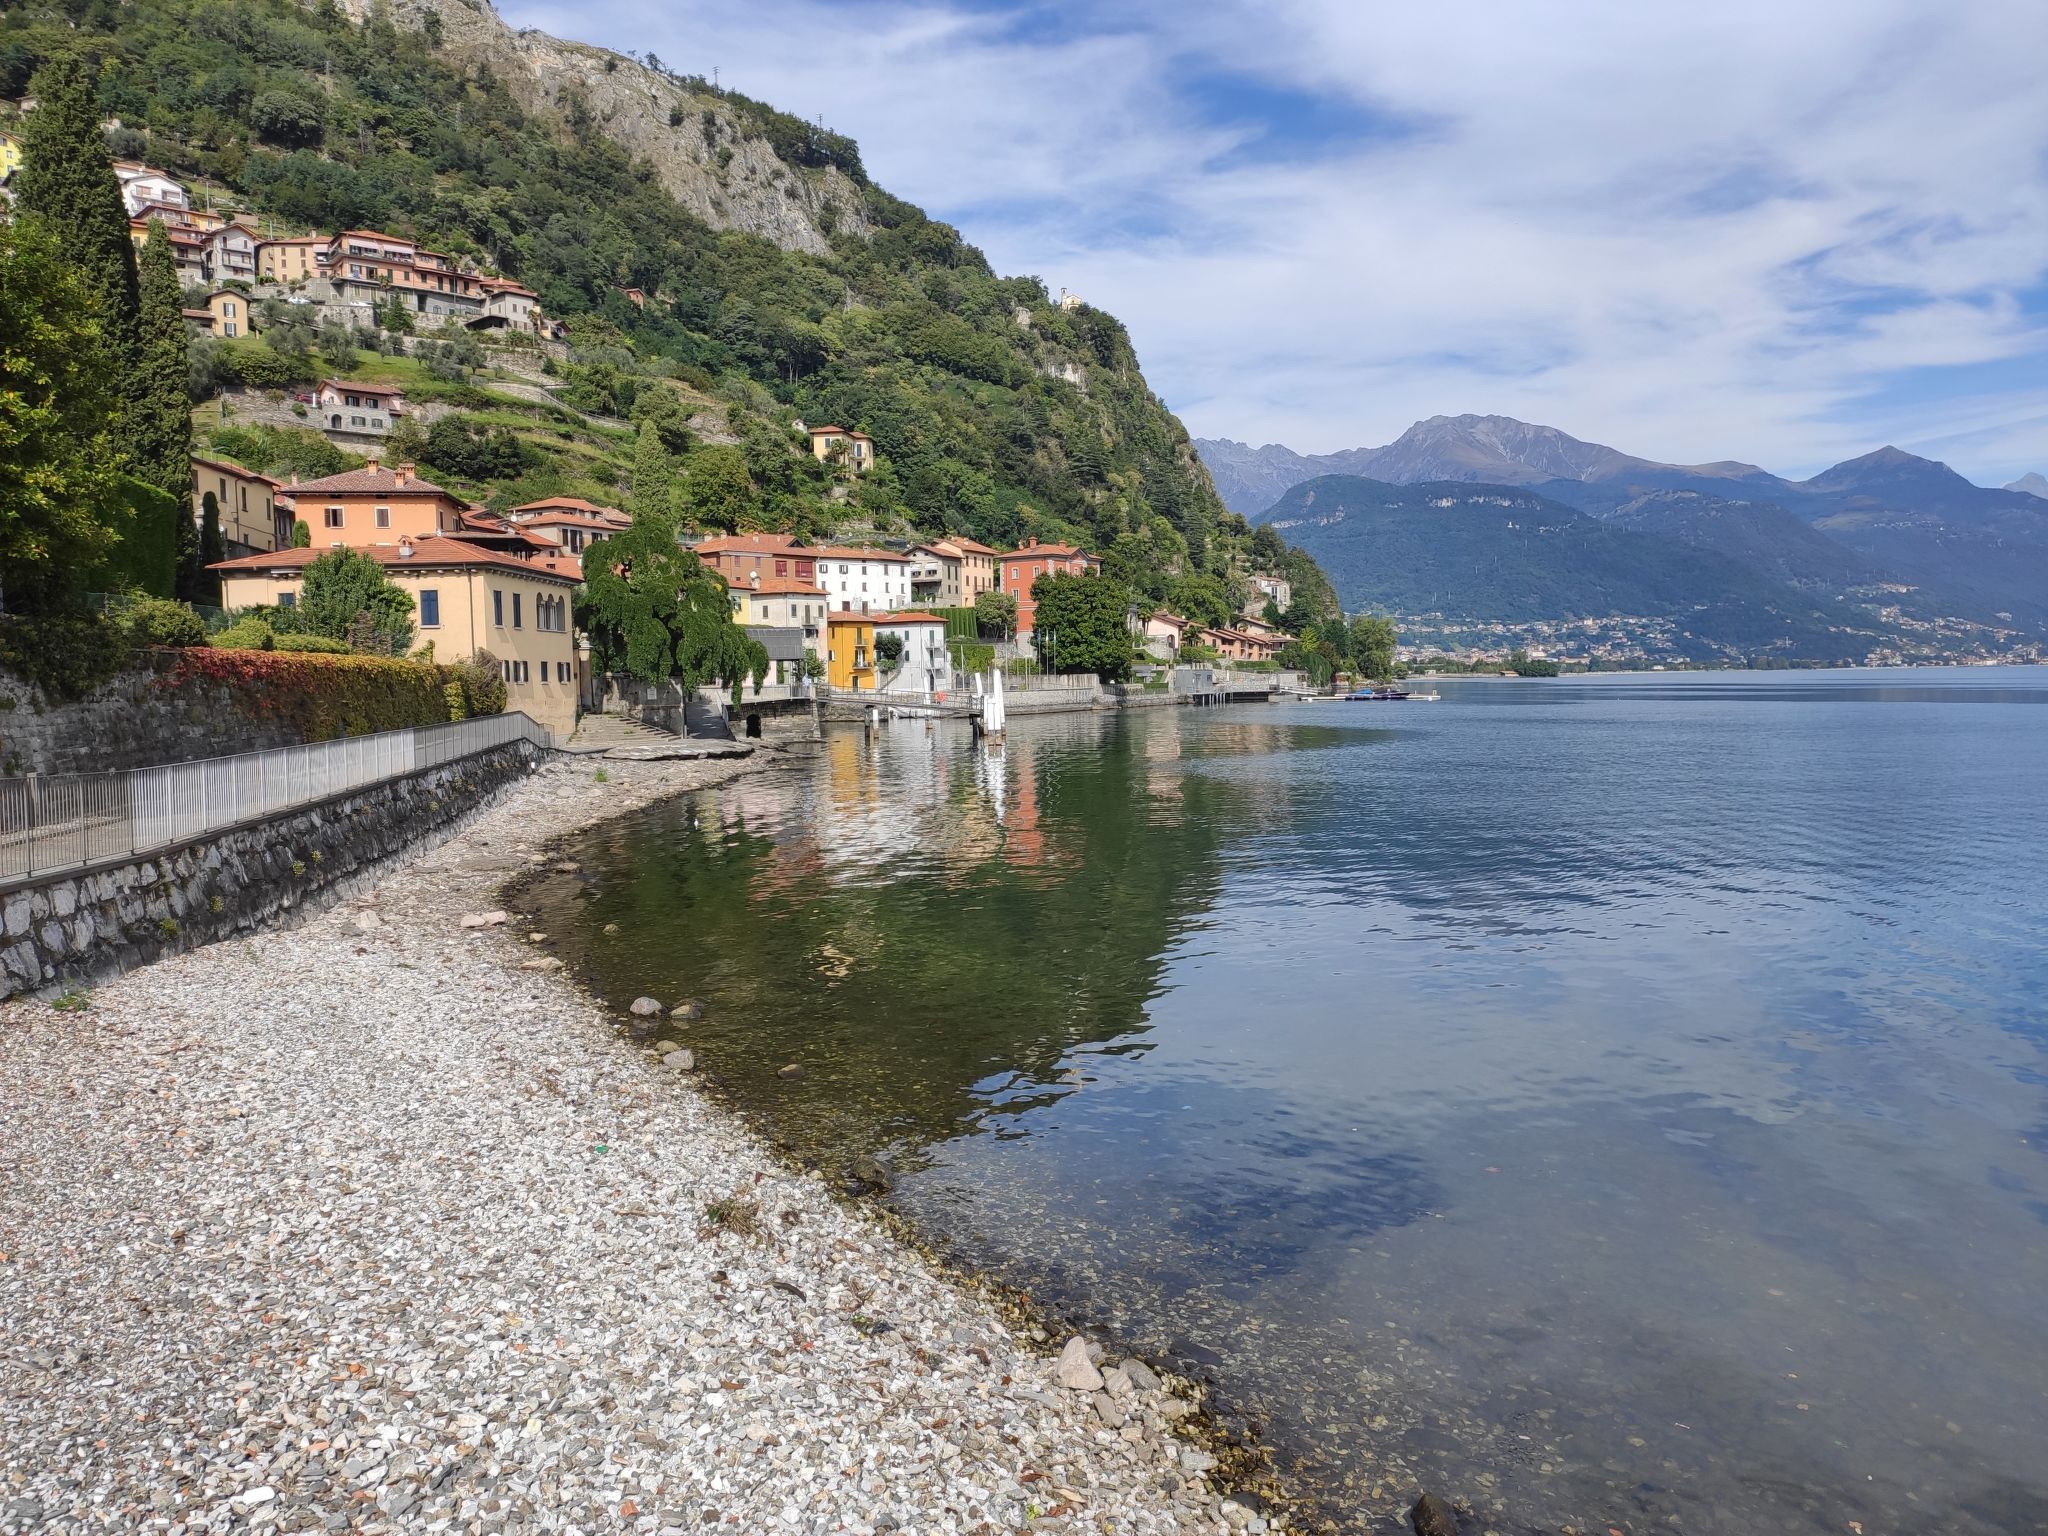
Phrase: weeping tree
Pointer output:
(655, 612)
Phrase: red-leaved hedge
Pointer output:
(321, 696)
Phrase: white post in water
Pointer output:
(992, 706)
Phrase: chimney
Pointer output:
(371, 464)
(405, 472)
(404, 548)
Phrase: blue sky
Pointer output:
(1780, 233)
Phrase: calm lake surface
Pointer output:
(1617, 1101)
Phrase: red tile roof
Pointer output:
(908, 616)
(1048, 552)
(571, 503)
(232, 468)
(750, 544)
(777, 586)
(426, 553)
(371, 482)
(360, 389)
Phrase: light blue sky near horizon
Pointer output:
(1787, 235)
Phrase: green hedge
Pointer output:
(321, 696)
(146, 557)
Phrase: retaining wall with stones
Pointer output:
(133, 720)
(87, 923)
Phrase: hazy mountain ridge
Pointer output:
(1945, 551)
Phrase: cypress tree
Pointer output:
(654, 476)
(160, 430)
(67, 178)
(213, 548)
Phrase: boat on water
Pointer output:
(1377, 696)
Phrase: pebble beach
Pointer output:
(379, 1223)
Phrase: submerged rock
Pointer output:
(871, 1171)
(1432, 1516)
(687, 1010)
(1075, 1371)
(645, 1007)
(791, 1072)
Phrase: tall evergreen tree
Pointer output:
(160, 431)
(213, 548)
(654, 478)
(67, 179)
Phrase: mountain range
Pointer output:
(1889, 548)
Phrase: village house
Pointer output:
(1024, 565)
(466, 600)
(507, 306)
(569, 522)
(10, 156)
(850, 651)
(374, 505)
(190, 250)
(1163, 633)
(863, 580)
(843, 449)
(295, 259)
(925, 663)
(368, 408)
(225, 313)
(142, 184)
(951, 573)
(1236, 645)
(368, 267)
(230, 254)
(736, 556)
(1275, 589)
(783, 602)
(251, 521)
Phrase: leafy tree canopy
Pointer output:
(1081, 625)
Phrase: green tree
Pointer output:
(395, 317)
(995, 615)
(715, 491)
(160, 431)
(346, 596)
(1203, 599)
(302, 534)
(337, 344)
(67, 180)
(654, 476)
(60, 508)
(1371, 645)
(655, 612)
(213, 548)
(1081, 625)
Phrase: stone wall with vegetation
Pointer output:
(176, 705)
(68, 929)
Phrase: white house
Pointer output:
(345, 407)
(863, 580)
(142, 185)
(926, 664)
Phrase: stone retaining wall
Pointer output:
(73, 927)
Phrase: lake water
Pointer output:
(1620, 1102)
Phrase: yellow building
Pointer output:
(249, 519)
(294, 260)
(850, 651)
(843, 449)
(10, 155)
(230, 312)
(465, 600)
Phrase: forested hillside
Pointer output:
(996, 412)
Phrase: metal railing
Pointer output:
(54, 822)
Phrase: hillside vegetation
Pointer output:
(997, 413)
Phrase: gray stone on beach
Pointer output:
(1140, 1375)
(1110, 1411)
(644, 1007)
(1116, 1382)
(490, 919)
(682, 1061)
(1075, 1371)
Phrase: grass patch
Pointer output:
(737, 1214)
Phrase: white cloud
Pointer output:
(1780, 233)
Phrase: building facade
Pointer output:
(850, 651)
(251, 521)
(737, 556)
(843, 449)
(366, 266)
(293, 260)
(374, 506)
(367, 408)
(1163, 633)
(466, 600)
(1024, 565)
(863, 580)
(781, 602)
(951, 573)
(925, 663)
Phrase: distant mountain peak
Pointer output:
(1885, 467)
(2033, 483)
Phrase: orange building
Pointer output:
(1024, 565)
(375, 505)
(738, 556)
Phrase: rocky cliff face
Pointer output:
(695, 142)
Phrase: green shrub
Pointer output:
(482, 685)
(247, 634)
(318, 643)
(66, 655)
(320, 696)
(162, 621)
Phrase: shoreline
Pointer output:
(370, 1223)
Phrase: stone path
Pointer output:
(379, 1225)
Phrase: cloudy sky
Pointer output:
(1781, 232)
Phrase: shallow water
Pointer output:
(1621, 1101)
